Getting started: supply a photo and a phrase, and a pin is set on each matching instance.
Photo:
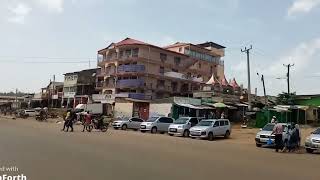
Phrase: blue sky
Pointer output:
(281, 32)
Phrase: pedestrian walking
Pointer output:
(87, 120)
(66, 118)
(274, 119)
(277, 131)
(70, 121)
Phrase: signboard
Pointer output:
(69, 94)
(185, 100)
(108, 98)
(55, 96)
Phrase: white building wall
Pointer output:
(163, 109)
(123, 109)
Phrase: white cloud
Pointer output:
(52, 5)
(301, 56)
(302, 6)
(304, 56)
(19, 13)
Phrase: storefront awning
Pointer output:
(194, 107)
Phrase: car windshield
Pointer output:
(152, 119)
(268, 127)
(205, 123)
(181, 121)
(317, 131)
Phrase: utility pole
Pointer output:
(16, 99)
(288, 75)
(264, 89)
(247, 51)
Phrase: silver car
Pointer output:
(156, 124)
(181, 127)
(265, 134)
(127, 123)
(313, 141)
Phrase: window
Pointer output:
(128, 52)
(177, 60)
(136, 120)
(165, 120)
(135, 52)
(180, 49)
(221, 123)
(226, 123)
(121, 54)
(163, 57)
(193, 121)
(161, 71)
(216, 124)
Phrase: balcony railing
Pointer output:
(131, 68)
(113, 58)
(130, 83)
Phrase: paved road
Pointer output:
(41, 151)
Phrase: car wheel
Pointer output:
(210, 136)
(258, 145)
(153, 130)
(124, 127)
(227, 134)
(170, 134)
(186, 133)
(309, 150)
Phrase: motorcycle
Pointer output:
(98, 123)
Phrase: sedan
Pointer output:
(131, 123)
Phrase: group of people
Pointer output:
(72, 116)
(292, 142)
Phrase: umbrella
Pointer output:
(219, 105)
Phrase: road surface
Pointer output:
(42, 152)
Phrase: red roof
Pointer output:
(129, 41)
(224, 81)
(234, 83)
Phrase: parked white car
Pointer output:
(210, 128)
(312, 142)
(264, 134)
(181, 126)
(30, 112)
(156, 124)
(127, 123)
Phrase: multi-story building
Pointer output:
(78, 86)
(145, 71)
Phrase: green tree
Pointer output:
(286, 99)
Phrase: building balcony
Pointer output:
(130, 83)
(131, 68)
(100, 60)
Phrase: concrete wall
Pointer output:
(123, 109)
(160, 109)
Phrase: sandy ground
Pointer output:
(41, 151)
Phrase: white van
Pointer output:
(210, 128)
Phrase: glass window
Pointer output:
(128, 52)
(161, 70)
(221, 123)
(163, 57)
(216, 124)
(205, 123)
(226, 123)
(135, 52)
(193, 121)
(177, 60)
